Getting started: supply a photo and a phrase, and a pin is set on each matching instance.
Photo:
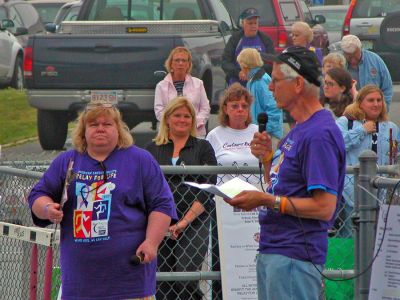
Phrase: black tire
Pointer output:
(52, 129)
(17, 81)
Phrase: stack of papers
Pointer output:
(227, 190)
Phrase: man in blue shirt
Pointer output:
(305, 179)
(367, 67)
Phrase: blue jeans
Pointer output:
(281, 277)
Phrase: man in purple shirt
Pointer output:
(305, 182)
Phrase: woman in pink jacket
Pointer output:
(179, 82)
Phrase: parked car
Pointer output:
(11, 56)
(25, 17)
(277, 17)
(334, 17)
(48, 9)
(377, 24)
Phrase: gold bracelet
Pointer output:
(277, 204)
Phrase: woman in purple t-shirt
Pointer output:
(113, 204)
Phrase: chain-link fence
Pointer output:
(193, 259)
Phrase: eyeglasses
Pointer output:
(237, 106)
(180, 60)
(330, 83)
(275, 80)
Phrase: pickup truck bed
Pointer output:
(123, 60)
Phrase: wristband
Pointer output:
(277, 204)
(284, 201)
(267, 157)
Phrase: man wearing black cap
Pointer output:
(305, 183)
(248, 37)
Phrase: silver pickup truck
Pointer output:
(116, 50)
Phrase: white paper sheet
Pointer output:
(227, 190)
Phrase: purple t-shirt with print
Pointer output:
(104, 223)
(311, 156)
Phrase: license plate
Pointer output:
(368, 45)
(109, 96)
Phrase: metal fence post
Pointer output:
(356, 228)
(367, 212)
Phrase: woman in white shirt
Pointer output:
(231, 140)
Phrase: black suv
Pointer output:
(25, 17)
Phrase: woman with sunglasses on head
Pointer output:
(231, 140)
(365, 125)
(176, 145)
(338, 90)
(179, 82)
(114, 208)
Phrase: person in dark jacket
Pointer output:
(185, 250)
(248, 37)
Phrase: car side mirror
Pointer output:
(6, 23)
(319, 19)
(21, 31)
(51, 27)
(224, 28)
(160, 74)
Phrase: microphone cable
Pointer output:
(373, 259)
(261, 176)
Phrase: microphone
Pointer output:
(135, 260)
(262, 120)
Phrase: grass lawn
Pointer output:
(18, 119)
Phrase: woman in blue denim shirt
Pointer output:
(365, 125)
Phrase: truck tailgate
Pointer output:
(105, 61)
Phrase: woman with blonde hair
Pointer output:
(112, 202)
(302, 35)
(333, 60)
(175, 145)
(365, 125)
(258, 82)
(179, 82)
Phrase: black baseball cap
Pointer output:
(249, 13)
(302, 60)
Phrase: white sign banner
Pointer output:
(238, 235)
(385, 277)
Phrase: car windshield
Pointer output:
(145, 10)
(72, 14)
(375, 8)
(333, 19)
(47, 11)
(265, 9)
